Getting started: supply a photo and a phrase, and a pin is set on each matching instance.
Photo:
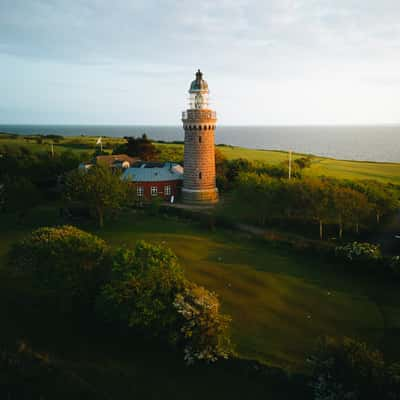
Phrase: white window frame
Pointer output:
(140, 191)
(154, 191)
(167, 190)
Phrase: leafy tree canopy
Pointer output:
(348, 369)
(64, 259)
(140, 147)
(99, 189)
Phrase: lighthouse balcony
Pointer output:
(199, 115)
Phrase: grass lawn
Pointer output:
(343, 169)
(280, 302)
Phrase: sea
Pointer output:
(380, 143)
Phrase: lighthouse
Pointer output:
(199, 161)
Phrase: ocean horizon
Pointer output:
(378, 143)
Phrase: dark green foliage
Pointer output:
(19, 195)
(56, 138)
(67, 260)
(303, 162)
(228, 171)
(99, 189)
(259, 197)
(348, 369)
(140, 147)
(148, 292)
(381, 197)
(43, 170)
(143, 287)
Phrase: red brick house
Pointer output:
(153, 179)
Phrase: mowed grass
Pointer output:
(321, 166)
(383, 172)
(280, 302)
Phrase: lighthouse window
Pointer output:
(154, 191)
(167, 190)
(199, 175)
(199, 139)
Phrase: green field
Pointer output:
(343, 169)
(280, 302)
(384, 172)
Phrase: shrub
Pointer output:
(204, 329)
(348, 369)
(65, 259)
(357, 251)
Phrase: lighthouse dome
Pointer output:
(199, 84)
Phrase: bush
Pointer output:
(65, 259)
(204, 329)
(357, 251)
(347, 369)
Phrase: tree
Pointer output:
(348, 369)
(41, 168)
(382, 200)
(140, 147)
(350, 207)
(65, 259)
(204, 328)
(144, 284)
(318, 202)
(99, 189)
(148, 292)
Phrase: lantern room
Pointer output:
(198, 93)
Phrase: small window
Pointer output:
(154, 191)
(140, 191)
(167, 190)
(199, 139)
(199, 175)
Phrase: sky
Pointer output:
(267, 62)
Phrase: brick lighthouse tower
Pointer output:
(199, 160)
